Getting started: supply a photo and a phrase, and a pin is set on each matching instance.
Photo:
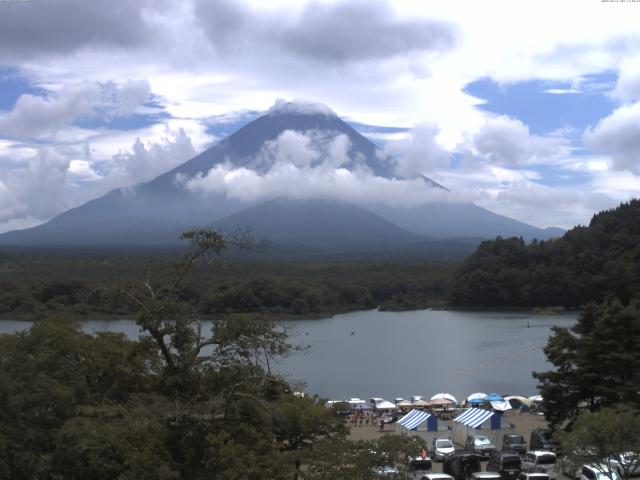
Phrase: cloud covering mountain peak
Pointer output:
(300, 107)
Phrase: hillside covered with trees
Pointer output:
(583, 266)
(35, 286)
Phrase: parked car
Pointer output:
(440, 448)
(436, 476)
(629, 463)
(533, 476)
(541, 440)
(541, 461)
(461, 464)
(418, 466)
(485, 476)
(507, 464)
(514, 443)
(599, 471)
(480, 444)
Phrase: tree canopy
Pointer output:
(178, 403)
(583, 266)
(597, 362)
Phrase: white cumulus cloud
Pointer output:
(506, 141)
(619, 135)
(306, 166)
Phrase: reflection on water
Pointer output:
(390, 354)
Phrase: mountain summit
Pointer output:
(296, 150)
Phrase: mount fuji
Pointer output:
(298, 176)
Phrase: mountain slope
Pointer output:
(460, 220)
(318, 225)
(152, 213)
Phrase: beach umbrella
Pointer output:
(385, 405)
(477, 397)
(442, 401)
(444, 396)
(421, 403)
(494, 397)
(404, 404)
(516, 401)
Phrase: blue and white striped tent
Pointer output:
(413, 419)
(473, 417)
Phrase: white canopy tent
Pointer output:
(385, 405)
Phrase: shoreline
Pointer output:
(279, 317)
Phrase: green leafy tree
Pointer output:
(180, 403)
(608, 439)
(597, 362)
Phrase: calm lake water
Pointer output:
(399, 354)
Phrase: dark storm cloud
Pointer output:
(37, 27)
(338, 32)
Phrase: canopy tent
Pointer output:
(536, 398)
(477, 397)
(358, 404)
(413, 419)
(473, 417)
(444, 396)
(478, 421)
(385, 405)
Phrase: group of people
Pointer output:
(361, 418)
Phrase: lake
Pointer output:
(398, 354)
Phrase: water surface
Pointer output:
(390, 354)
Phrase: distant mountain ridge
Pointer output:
(152, 213)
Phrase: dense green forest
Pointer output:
(583, 266)
(34, 286)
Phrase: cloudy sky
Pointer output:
(530, 109)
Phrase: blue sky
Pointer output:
(543, 127)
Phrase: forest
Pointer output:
(585, 265)
(89, 286)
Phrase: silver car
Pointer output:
(480, 444)
(440, 448)
(541, 461)
(436, 476)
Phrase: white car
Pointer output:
(598, 471)
(436, 476)
(486, 476)
(440, 448)
(541, 461)
(533, 476)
